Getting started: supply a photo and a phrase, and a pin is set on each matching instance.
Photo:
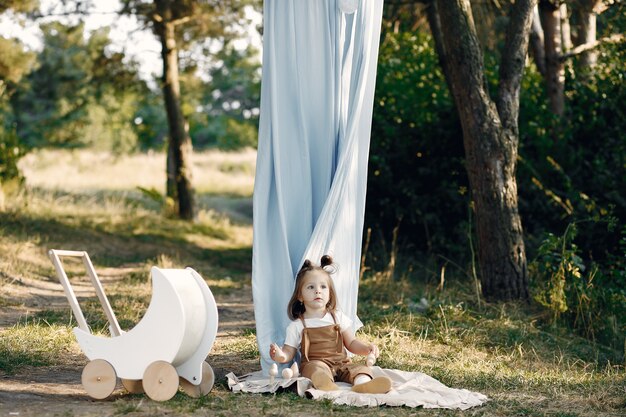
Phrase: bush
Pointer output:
(570, 172)
(571, 178)
(11, 150)
(416, 173)
(237, 135)
(589, 299)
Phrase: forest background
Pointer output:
(77, 93)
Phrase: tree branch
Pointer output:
(183, 20)
(513, 61)
(175, 22)
(615, 38)
(432, 15)
(189, 18)
(536, 45)
(463, 51)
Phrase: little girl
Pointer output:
(323, 334)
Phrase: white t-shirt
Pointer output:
(293, 335)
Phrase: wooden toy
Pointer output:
(287, 373)
(370, 360)
(273, 372)
(165, 350)
(294, 369)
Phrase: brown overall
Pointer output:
(322, 350)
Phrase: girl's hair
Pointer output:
(295, 308)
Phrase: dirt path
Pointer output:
(57, 391)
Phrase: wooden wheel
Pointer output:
(160, 381)
(206, 384)
(134, 386)
(99, 379)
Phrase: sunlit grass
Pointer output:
(244, 347)
(35, 343)
(214, 172)
(85, 200)
(504, 350)
(115, 214)
(114, 226)
(522, 368)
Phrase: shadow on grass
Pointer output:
(236, 207)
(121, 244)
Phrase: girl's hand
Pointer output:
(277, 354)
(374, 350)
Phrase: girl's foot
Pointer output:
(322, 382)
(379, 385)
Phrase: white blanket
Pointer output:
(409, 389)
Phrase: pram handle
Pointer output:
(55, 255)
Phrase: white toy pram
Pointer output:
(168, 346)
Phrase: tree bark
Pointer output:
(490, 136)
(555, 69)
(180, 148)
(170, 187)
(566, 30)
(586, 17)
(536, 43)
(432, 15)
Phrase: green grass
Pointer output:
(503, 350)
(507, 351)
(34, 343)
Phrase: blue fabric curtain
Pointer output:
(317, 91)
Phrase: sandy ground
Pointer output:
(57, 390)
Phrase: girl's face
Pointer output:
(315, 291)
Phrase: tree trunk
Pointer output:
(555, 70)
(586, 17)
(536, 43)
(566, 30)
(170, 187)
(179, 148)
(490, 138)
(432, 15)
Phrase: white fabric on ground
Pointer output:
(409, 389)
(317, 92)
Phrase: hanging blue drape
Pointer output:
(317, 91)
